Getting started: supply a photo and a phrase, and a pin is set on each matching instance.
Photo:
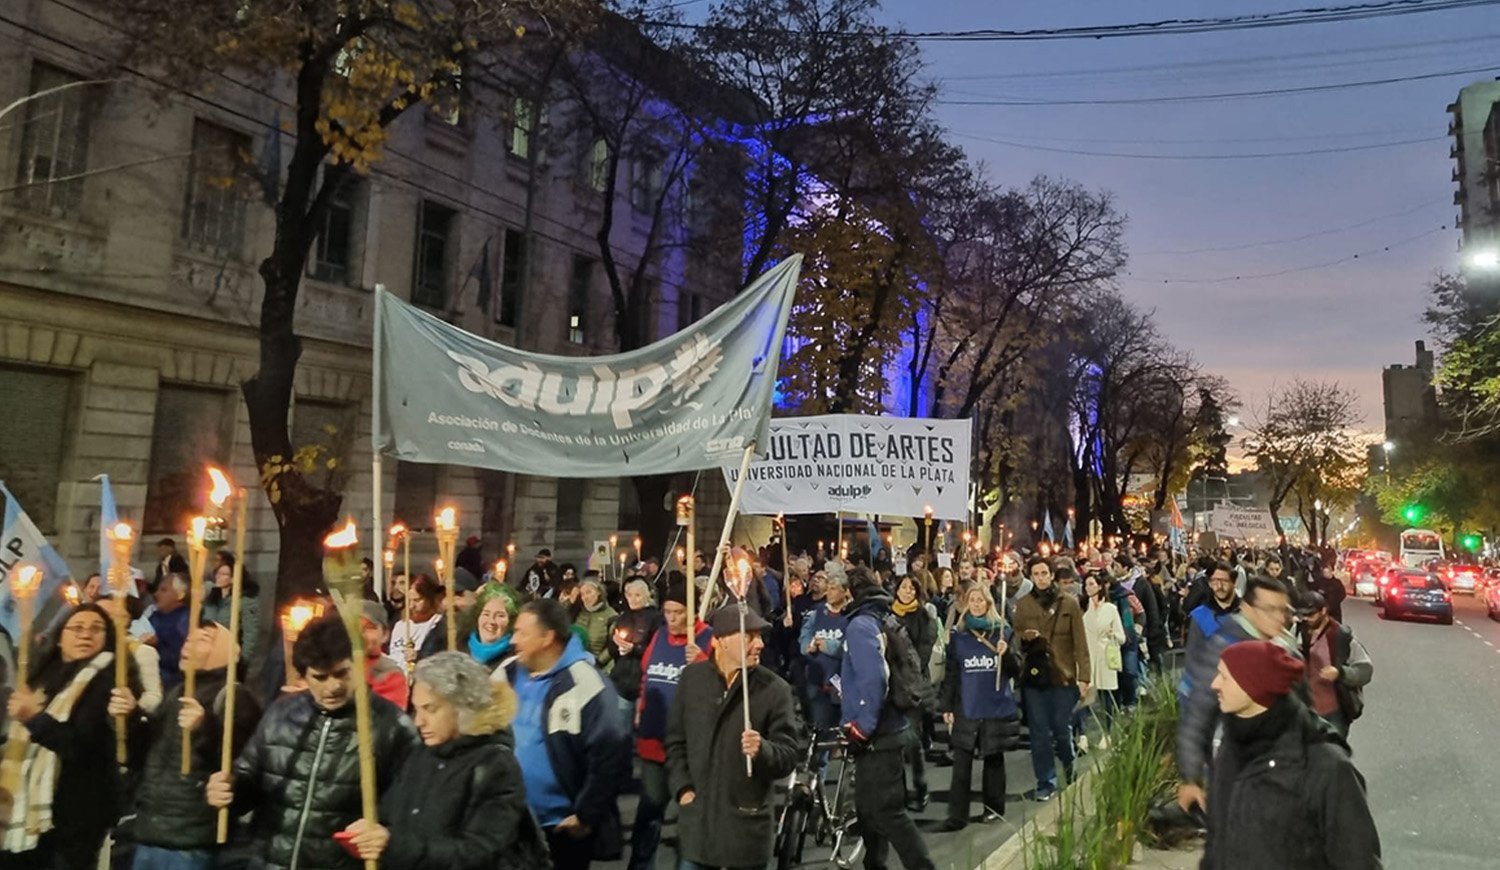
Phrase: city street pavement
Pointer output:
(1429, 741)
(962, 849)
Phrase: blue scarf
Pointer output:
(488, 652)
(980, 624)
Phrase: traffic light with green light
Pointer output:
(1414, 513)
(1471, 542)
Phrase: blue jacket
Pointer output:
(585, 737)
(863, 675)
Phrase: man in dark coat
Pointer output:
(173, 823)
(300, 770)
(726, 818)
(1284, 793)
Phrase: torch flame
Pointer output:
(347, 536)
(26, 580)
(122, 532)
(389, 557)
(928, 511)
(299, 615)
(437, 565)
(221, 488)
(447, 519)
(197, 529)
(500, 568)
(398, 530)
(72, 595)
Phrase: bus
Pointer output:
(1420, 546)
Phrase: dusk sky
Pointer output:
(1341, 322)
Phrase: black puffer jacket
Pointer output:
(636, 627)
(300, 773)
(1292, 801)
(170, 810)
(462, 805)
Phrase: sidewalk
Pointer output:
(1180, 859)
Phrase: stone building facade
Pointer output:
(133, 218)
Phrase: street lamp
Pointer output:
(1233, 420)
(1388, 446)
(1483, 259)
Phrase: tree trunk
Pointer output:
(304, 512)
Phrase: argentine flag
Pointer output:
(21, 542)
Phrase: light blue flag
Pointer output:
(1047, 525)
(876, 545)
(21, 542)
(108, 516)
(1068, 533)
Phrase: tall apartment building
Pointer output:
(130, 234)
(1410, 398)
(1475, 128)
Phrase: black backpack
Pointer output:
(906, 688)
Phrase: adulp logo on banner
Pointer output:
(683, 403)
(876, 465)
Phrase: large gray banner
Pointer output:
(690, 401)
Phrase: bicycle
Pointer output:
(814, 804)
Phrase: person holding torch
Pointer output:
(299, 772)
(60, 786)
(726, 818)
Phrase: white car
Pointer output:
(1464, 578)
(1364, 585)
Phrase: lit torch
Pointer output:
(24, 583)
(447, 535)
(121, 544)
(198, 558)
(341, 573)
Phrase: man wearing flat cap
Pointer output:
(725, 817)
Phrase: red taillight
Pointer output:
(1395, 591)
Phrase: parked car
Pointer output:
(1416, 593)
(1492, 600)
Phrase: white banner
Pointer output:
(1241, 524)
(872, 465)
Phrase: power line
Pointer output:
(1229, 279)
(1227, 95)
(1294, 239)
(1219, 64)
(1165, 27)
(1261, 155)
(1218, 140)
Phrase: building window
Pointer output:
(523, 124)
(435, 226)
(645, 187)
(32, 444)
(570, 497)
(512, 277)
(321, 434)
(416, 494)
(689, 309)
(593, 167)
(188, 433)
(579, 291)
(54, 143)
(333, 250)
(214, 219)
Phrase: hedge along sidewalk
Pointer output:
(1097, 822)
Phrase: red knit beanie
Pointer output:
(1263, 669)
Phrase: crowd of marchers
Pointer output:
(563, 693)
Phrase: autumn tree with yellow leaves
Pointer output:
(350, 70)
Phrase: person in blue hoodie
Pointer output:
(572, 740)
(977, 701)
(878, 732)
